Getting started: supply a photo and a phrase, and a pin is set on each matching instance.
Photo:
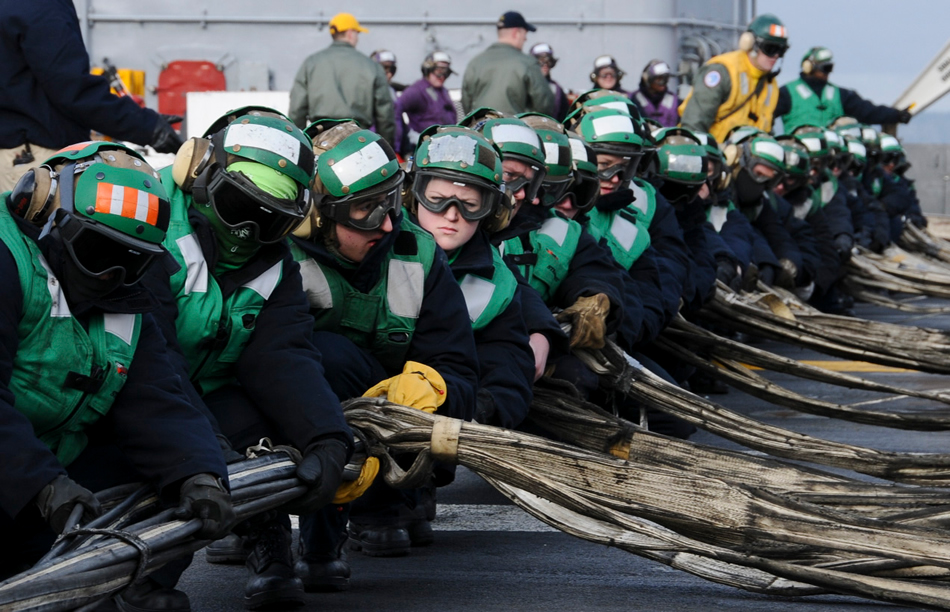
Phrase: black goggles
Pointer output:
(240, 204)
(625, 169)
(532, 186)
(773, 49)
(366, 210)
(470, 211)
(769, 182)
(443, 72)
(97, 249)
(826, 68)
(555, 190)
(585, 189)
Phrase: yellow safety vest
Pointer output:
(741, 106)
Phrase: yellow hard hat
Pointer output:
(345, 21)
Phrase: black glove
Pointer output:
(904, 116)
(321, 469)
(843, 245)
(750, 276)
(484, 407)
(727, 273)
(57, 500)
(767, 274)
(203, 496)
(787, 274)
(164, 138)
(919, 221)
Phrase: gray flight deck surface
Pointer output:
(488, 555)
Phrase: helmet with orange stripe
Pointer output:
(106, 205)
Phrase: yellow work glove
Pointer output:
(419, 386)
(348, 491)
(588, 319)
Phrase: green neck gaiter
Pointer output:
(235, 247)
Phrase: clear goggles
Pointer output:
(474, 206)
(366, 210)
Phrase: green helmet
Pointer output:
(769, 30)
(872, 143)
(516, 141)
(557, 156)
(585, 187)
(257, 177)
(108, 204)
(358, 181)
(462, 156)
(891, 149)
(797, 162)
(612, 132)
(741, 133)
(816, 141)
(606, 98)
(818, 58)
(797, 158)
(714, 158)
(852, 129)
(681, 163)
(858, 152)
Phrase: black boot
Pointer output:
(228, 550)
(149, 596)
(379, 540)
(324, 572)
(271, 581)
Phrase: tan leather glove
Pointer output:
(588, 319)
(419, 386)
(348, 491)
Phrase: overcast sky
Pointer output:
(880, 46)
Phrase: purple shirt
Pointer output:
(663, 110)
(425, 106)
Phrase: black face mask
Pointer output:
(83, 290)
(748, 190)
(679, 194)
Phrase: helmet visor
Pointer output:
(240, 204)
(98, 250)
(772, 49)
(477, 203)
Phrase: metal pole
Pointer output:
(422, 22)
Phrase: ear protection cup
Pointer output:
(190, 161)
(746, 41)
(593, 78)
(730, 153)
(32, 198)
(500, 219)
(808, 67)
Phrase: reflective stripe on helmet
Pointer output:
(127, 202)
(263, 137)
(578, 151)
(612, 124)
(507, 132)
(452, 149)
(360, 164)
